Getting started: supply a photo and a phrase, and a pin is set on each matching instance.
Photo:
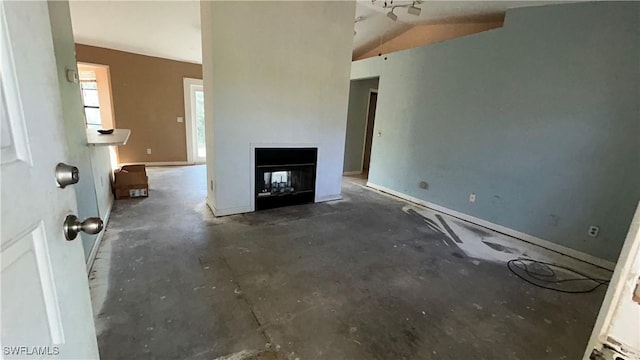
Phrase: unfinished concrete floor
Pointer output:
(363, 278)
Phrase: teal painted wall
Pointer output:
(541, 119)
(356, 122)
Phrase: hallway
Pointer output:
(366, 277)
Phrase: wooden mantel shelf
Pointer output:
(118, 138)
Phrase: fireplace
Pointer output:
(285, 176)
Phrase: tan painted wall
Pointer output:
(147, 94)
(428, 34)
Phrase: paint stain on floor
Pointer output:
(366, 278)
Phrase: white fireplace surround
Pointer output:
(274, 86)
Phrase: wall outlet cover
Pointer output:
(148, 151)
(594, 231)
(180, 119)
(472, 197)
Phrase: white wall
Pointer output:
(275, 73)
(206, 14)
(93, 192)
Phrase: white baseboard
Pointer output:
(347, 173)
(228, 211)
(159, 163)
(96, 244)
(501, 229)
(329, 198)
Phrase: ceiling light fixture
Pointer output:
(392, 16)
(413, 10)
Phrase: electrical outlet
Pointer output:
(149, 151)
(211, 184)
(594, 231)
(180, 119)
(472, 197)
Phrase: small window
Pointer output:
(91, 103)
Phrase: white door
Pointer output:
(194, 113)
(45, 304)
(616, 334)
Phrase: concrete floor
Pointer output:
(367, 277)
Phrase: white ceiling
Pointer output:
(171, 29)
(168, 29)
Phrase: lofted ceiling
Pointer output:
(167, 29)
(171, 29)
(373, 27)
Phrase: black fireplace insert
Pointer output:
(285, 176)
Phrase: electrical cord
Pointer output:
(542, 274)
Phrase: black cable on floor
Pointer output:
(542, 274)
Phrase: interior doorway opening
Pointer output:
(368, 134)
(363, 100)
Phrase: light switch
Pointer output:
(180, 119)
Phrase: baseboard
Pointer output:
(159, 163)
(329, 198)
(501, 229)
(347, 173)
(228, 211)
(96, 244)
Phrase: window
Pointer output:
(91, 102)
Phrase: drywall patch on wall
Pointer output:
(539, 119)
(356, 123)
(147, 95)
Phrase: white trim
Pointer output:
(366, 128)
(159, 163)
(347, 173)
(96, 244)
(189, 85)
(329, 198)
(623, 277)
(229, 211)
(501, 229)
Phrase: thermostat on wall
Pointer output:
(72, 76)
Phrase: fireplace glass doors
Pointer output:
(285, 176)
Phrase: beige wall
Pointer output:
(427, 34)
(147, 94)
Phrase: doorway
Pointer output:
(194, 121)
(368, 134)
(363, 98)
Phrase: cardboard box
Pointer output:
(131, 181)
